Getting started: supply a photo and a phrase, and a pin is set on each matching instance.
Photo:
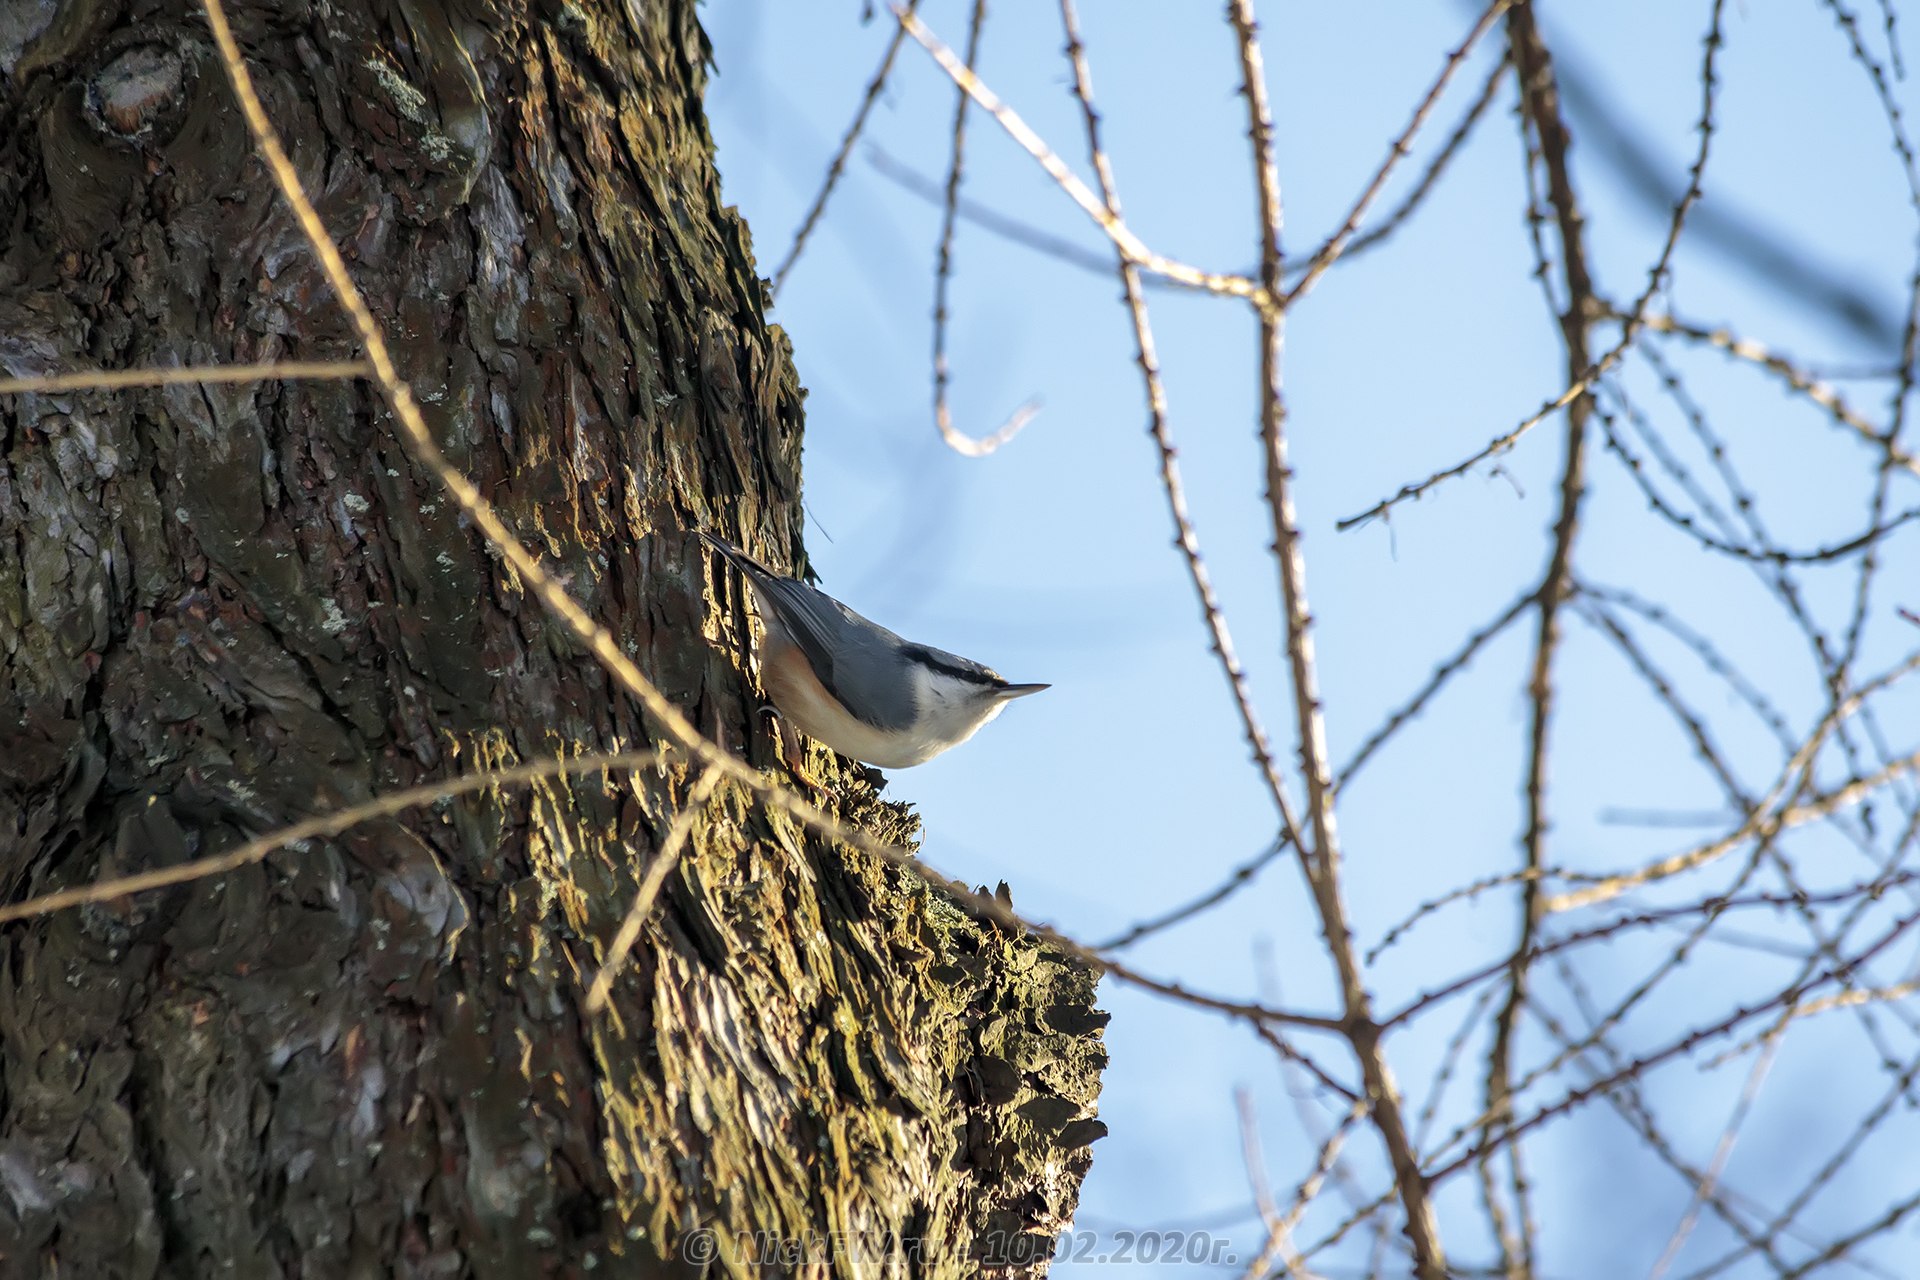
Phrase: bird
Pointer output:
(856, 686)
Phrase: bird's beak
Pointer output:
(1012, 691)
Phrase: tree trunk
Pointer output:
(227, 607)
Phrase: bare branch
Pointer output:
(838, 165)
(1402, 146)
(959, 441)
(1117, 231)
(1185, 537)
(658, 869)
(118, 379)
(326, 824)
(1323, 865)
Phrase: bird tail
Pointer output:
(735, 556)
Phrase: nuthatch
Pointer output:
(855, 685)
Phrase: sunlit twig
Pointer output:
(120, 379)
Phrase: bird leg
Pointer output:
(793, 752)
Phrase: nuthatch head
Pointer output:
(856, 686)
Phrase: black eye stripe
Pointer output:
(934, 662)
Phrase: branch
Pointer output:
(1117, 231)
(1336, 244)
(838, 165)
(1185, 538)
(662, 865)
(115, 379)
(328, 824)
(959, 441)
(1323, 866)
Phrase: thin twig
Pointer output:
(1783, 367)
(658, 869)
(1854, 998)
(959, 441)
(1186, 539)
(1323, 865)
(1405, 714)
(1230, 884)
(1773, 813)
(1864, 543)
(1642, 1065)
(1256, 1168)
(116, 379)
(838, 165)
(1781, 1223)
(1731, 1206)
(1118, 232)
(326, 824)
(1713, 905)
(1336, 244)
(1430, 179)
(1007, 227)
(1584, 379)
(1540, 110)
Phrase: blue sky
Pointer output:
(1126, 788)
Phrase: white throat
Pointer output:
(951, 710)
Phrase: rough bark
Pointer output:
(223, 608)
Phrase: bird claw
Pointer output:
(793, 754)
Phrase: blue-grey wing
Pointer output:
(859, 662)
